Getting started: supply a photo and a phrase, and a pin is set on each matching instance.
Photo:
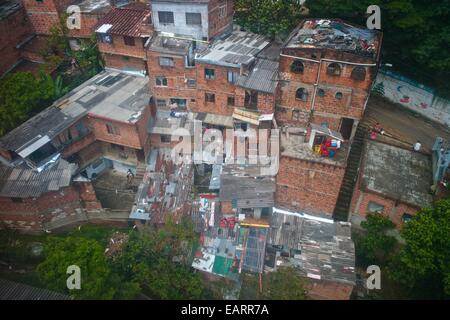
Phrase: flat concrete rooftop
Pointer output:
(295, 146)
(397, 173)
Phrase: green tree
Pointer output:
(375, 246)
(158, 261)
(416, 34)
(97, 280)
(268, 17)
(284, 284)
(22, 95)
(423, 264)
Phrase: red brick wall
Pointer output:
(218, 86)
(177, 77)
(129, 134)
(44, 14)
(120, 48)
(309, 186)
(13, 29)
(393, 210)
(218, 26)
(354, 92)
(326, 290)
(32, 213)
(88, 21)
(123, 62)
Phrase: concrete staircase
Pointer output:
(139, 175)
(341, 211)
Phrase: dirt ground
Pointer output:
(113, 191)
(404, 125)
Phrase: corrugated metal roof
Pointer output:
(17, 291)
(25, 183)
(326, 249)
(262, 78)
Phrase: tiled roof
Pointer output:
(127, 20)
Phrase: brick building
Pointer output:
(45, 13)
(101, 124)
(326, 72)
(30, 201)
(15, 28)
(199, 20)
(122, 35)
(393, 182)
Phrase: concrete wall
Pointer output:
(179, 12)
(415, 97)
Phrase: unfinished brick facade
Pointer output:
(308, 186)
(32, 214)
(122, 34)
(324, 85)
(220, 16)
(180, 80)
(45, 13)
(394, 210)
(14, 28)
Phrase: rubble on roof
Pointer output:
(166, 122)
(337, 35)
(164, 190)
(319, 248)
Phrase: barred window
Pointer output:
(193, 18)
(166, 62)
(165, 17)
(210, 97)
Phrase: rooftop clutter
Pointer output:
(337, 35)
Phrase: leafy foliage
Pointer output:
(157, 261)
(97, 279)
(375, 246)
(21, 95)
(284, 284)
(272, 18)
(416, 33)
(423, 263)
